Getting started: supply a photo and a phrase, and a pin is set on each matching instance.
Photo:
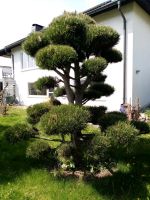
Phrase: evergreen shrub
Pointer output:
(35, 112)
(39, 150)
(122, 136)
(143, 127)
(65, 155)
(19, 132)
(64, 119)
(111, 118)
(96, 113)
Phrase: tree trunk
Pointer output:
(69, 92)
(78, 88)
(78, 97)
(77, 150)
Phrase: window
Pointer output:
(27, 61)
(33, 91)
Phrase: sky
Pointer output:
(17, 16)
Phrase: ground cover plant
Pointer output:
(23, 178)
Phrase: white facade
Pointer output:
(138, 54)
(24, 75)
(141, 55)
(114, 72)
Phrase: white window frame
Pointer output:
(27, 62)
(36, 95)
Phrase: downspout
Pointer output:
(124, 53)
(13, 73)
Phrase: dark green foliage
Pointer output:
(35, 112)
(69, 29)
(99, 78)
(55, 56)
(96, 113)
(109, 147)
(94, 66)
(110, 119)
(112, 55)
(45, 82)
(54, 102)
(97, 90)
(122, 136)
(39, 150)
(34, 42)
(59, 91)
(65, 155)
(101, 37)
(143, 127)
(64, 119)
(98, 155)
(19, 132)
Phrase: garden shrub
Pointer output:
(143, 127)
(54, 101)
(19, 132)
(65, 155)
(111, 118)
(64, 119)
(107, 148)
(122, 136)
(98, 155)
(142, 146)
(39, 150)
(59, 91)
(96, 113)
(35, 112)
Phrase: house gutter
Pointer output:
(124, 53)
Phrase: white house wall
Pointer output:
(141, 56)
(23, 77)
(114, 72)
(1, 74)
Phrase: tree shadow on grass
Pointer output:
(2, 129)
(13, 161)
(129, 185)
(126, 185)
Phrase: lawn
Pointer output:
(26, 179)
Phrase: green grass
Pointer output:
(25, 179)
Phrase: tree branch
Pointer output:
(85, 101)
(59, 73)
(86, 83)
(72, 78)
(69, 92)
(45, 138)
(72, 85)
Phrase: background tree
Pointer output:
(78, 50)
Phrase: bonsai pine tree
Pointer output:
(78, 50)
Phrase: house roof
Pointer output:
(112, 4)
(100, 8)
(7, 49)
(4, 66)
